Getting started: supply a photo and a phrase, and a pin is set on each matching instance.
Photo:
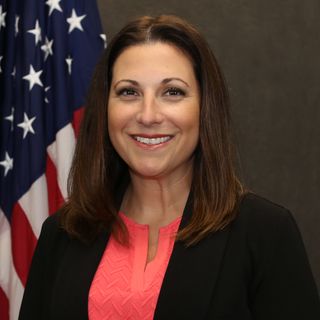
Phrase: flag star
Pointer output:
(1, 57)
(10, 118)
(16, 26)
(47, 48)
(7, 163)
(104, 38)
(54, 5)
(2, 18)
(13, 71)
(46, 89)
(75, 21)
(69, 61)
(33, 77)
(37, 32)
(26, 125)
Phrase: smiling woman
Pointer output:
(158, 76)
(157, 225)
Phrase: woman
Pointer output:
(157, 224)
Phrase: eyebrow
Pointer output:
(164, 81)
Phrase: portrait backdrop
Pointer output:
(269, 52)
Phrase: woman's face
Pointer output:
(153, 110)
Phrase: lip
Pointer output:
(150, 136)
(146, 146)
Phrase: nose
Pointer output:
(149, 112)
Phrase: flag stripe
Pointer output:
(36, 211)
(23, 243)
(10, 283)
(5, 252)
(55, 198)
(77, 117)
(60, 152)
(4, 303)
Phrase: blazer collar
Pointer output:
(191, 276)
(76, 272)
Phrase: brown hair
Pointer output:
(99, 177)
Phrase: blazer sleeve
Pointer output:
(285, 288)
(36, 291)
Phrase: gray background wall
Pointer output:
(270, 53)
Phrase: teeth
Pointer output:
(152, 141)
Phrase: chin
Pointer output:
(148, 173)
(147, 169)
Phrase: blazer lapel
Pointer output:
(76, 272)
(191, 276)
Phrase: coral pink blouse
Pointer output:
(125, 286)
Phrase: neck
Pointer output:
(156, 201)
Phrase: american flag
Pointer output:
(48, 49)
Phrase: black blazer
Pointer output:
(256, 268)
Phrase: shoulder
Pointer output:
(257, 206)
(256, 211)
(52, 232)
(52, 224)
(263, 224)
(266, 229)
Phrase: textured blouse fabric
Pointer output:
(125, 286)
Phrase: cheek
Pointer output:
(119, 115)
(192, 124)
(115, 119)
(111, 121)
(190, 120)
(118, 122)
(114, 125)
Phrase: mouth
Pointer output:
(152, 141)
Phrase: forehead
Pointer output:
(161, 59)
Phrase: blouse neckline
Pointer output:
(131, 224)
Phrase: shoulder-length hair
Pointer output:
(99, 177)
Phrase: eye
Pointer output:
(176, 92)
(127, 92)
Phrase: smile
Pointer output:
(152, 141)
